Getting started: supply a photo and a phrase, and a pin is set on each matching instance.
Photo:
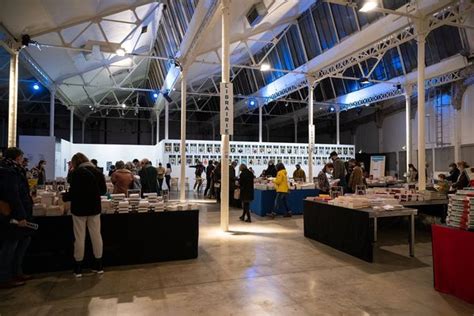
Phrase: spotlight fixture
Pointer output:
(264, 67)
(124, 105)
(177, 64)
(367, 104)
(332, 109)
(155, 95)
(120, 52)
(369, 5)
(360, 151)
(36, 87)
(364, 80)
(167, 97)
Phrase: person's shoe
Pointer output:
(289, 214)
(241, 218)
(98, 267)
(248, 220)
(11, 284)
(24, 277)
(78, 269)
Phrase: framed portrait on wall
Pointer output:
(209, 148)
(193, 148)
(189, 160)
(276, 150)
(248, 150)
(292, 160)
(176, 148)
(168, 148)
(282, 150)
(172, 160)
(262, 149)
(217, 148)
(269, 149)
(254, 149)
(178, 159)
(201, 148)
(258, 161)
(240, 149)
(303, 150)
(289, 150)
(243, 159)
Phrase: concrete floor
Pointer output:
(264, 268)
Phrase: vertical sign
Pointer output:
(377, 166)
(227, 108)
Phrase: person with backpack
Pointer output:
(15, 204)
(148, 176)
(87, 184)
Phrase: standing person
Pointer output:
(412, 174)
(136, 164)
(96, 164)
(282, 189)
(122, 178)
(209, 170)
(112, 169)
(24, 164)
(14, 192)
(453, 173)
(232, 186)
(198, 174)
(356, 178)
(148, 177)
(39, 172)
(323, 181)
(160, 172)
(298, 174)
(463, 180)
(86, 186)
(216, 179)
(349, 168)
(271, 171)
(168, 176)
(339, 169)
(246, 191)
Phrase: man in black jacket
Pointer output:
(210, 168)
(453, 173)
(148, 175)
(87, 184)
(14, 190)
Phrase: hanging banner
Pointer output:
(227, 108)
(377, 166)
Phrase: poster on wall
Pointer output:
(209, 148)
(176, 148)
(167, 147)
(377, 166)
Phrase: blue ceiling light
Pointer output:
(155, 95)
(332, 109)
(252, 102)
(36, 87)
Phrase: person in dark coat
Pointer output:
(87, 184)
(453, 173)
(463, 180)
(246, 191)
(271, 170)
(216, 180)
(14, 192)
(209, 169)
(148, 175)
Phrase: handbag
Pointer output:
(5, 209)
(237, 194)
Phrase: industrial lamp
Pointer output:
(369, 5)
(265, 67)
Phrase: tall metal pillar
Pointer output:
(260, 123)
(157, 127)
(167, 120)
(52, 96)
(421, 35)
(311, 131)
(225, 136)
(182, 178)
(71, 124)
(83, 129)
(408, 92)
(338, 127)
(13, 100)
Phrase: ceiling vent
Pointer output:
(256, 13)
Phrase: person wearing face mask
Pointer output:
(453, 173)
(412, 173)
(323, 181)
(463, 180)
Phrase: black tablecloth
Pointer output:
(345, 229)
(128, 239)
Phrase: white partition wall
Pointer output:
(253, 154)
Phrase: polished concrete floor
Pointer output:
(266, 267)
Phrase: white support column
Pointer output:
(311, 131)
(182, 177)
(51, 110)
(71, 124)
(408, 92)
(338, 127)
(421, 105)
(157, 127)
(167, 120)
(13, 100)
(225, 137)
(457, 135)
(260, 124)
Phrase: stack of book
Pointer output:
(461, 210)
